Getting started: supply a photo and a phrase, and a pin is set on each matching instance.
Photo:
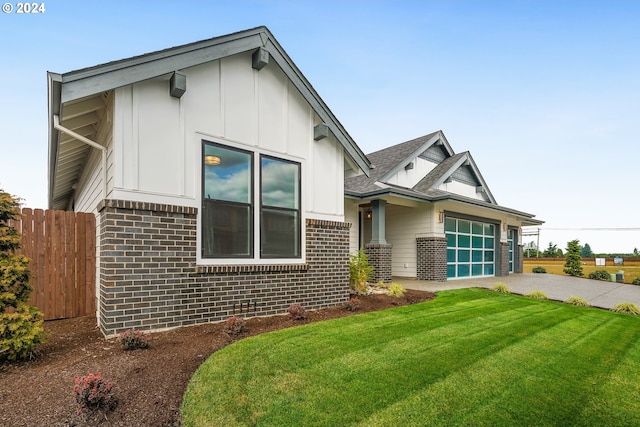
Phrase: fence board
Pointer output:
(61, 246)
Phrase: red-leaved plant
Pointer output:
(297, 312)
(133, 339)
(94, 392)
(234, 325)
(353, 304)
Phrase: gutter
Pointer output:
(103, 150)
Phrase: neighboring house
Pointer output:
(222, 184)
(216, 174)
(427, 212)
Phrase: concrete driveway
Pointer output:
(596, 292)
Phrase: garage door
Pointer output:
(470, 248)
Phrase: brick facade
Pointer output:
(502, 269)
(519, 264)
(149, 279)
(432, 258)
(379, 256)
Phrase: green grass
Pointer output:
(469, 357)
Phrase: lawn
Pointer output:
(469, 357)
(556, 266)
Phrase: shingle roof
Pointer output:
(438, 173)
(384, 161)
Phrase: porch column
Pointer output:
(378, 250)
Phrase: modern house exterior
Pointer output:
(222, 184)
(427, 212)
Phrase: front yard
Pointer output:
(469, 357)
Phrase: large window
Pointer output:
(279, 208)
(228, 200)
(470, 248)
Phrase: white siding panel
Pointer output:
(272, 109)
(351, 215)
(409, 178)
(300, 122)
(325, 172)
(239, 99)
(466, 190)
(202, 101)
(402, 227)
(160, 144)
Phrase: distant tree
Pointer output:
(552, 251)
(635, 252)
(585, 251)
(572, 264)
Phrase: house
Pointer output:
(222, 184)
(426, 212)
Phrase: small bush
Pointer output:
(395, 290)
(360, 271)
(636, 281)
(501, 288)
(539, 270)
(600, 275)
(133, 339)
(353, 304)
(94, 392)
(578, 301)
(234, 325)
(627, 308)
(297, 312)
(537, 295)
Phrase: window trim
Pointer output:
(256, 259)
(298, 210)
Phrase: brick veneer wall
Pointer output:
(503, 268)
(432, 258)
(379, 256)
(149, 279)
(519, 265)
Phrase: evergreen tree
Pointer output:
(552, 251)
(572, 264)
(585, 251)
(20, 324)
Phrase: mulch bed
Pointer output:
(150, 383)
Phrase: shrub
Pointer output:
(627, 308)
(572, 265)
(94, 392)
(501, 288)
(600, 275)
(395, 290)
(20, 324)
(539, 270)
(353, 304)
(234, 325)
(578, 301)
(636, 281)
(537, 295)
(297, 312)
(360, 271)
(133, 339)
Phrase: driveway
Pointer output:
(596, 292)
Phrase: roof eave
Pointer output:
(524, 216)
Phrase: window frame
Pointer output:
(256, 258)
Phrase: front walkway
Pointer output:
(556, 287)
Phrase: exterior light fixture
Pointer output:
(211, 160)
(368, 215)
(440, 217)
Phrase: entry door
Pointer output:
(511, 238)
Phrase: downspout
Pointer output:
(103, 150)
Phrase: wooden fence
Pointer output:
(62, 248)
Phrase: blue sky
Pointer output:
(544, 94)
